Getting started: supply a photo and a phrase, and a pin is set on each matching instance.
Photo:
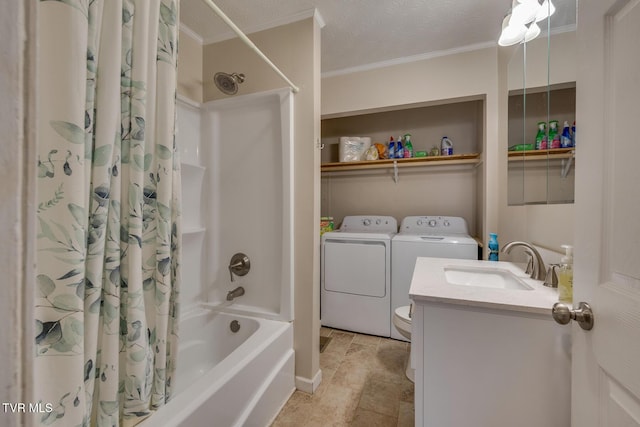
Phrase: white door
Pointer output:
(606, 360)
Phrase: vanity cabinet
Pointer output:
(485, 356)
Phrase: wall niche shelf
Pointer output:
(456, 159)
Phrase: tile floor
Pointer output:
(363, 384)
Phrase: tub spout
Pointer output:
(237, 292)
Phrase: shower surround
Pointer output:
(238, 192)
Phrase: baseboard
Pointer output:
(307, 385)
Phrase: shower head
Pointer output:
(228, 83)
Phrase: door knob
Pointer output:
(583, 315)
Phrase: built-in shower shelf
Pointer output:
(457, 159)
(189, 230)
(192, 167)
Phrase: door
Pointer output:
(606, 360)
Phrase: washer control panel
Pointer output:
(433, 225)
(369, 224)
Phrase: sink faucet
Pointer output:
(539, 270)
(237, 292)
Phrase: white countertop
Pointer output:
(429, 284)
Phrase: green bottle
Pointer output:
(408, 147)
(541, 136)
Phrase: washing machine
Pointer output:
(425, 236)
(355, 282)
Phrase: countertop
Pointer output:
(429, 284)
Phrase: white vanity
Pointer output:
(487, 352)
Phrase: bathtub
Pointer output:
(226, 378)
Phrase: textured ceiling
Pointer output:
(360, 33)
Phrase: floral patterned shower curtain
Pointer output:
(108, 214)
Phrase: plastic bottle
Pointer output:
(573, 134)
(494, 247)
(565, 276)
(541, 136)
(446, 147)
(565, 139)
(554, 136)
(392, 149)
(399, 148)
(408, 147)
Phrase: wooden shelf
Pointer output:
(550, 154)
(456, 159)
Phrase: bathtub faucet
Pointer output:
(237, 292)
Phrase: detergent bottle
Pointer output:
(446, 147)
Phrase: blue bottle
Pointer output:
(494, 247)
(399, 148)
(565, 139)
(392, 149)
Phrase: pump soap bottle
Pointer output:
(565, 276)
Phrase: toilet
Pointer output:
(402, 323)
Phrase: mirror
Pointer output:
(541, 80)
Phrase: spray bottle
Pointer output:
(565, 140)
(408, 147)
(565, 276)
(399, 148)
(392, 148)
(554, 136)
(541, 136)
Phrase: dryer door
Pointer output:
(355, 267)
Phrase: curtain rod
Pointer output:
(249, 43)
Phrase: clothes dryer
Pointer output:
(355, 283)
(425, 236)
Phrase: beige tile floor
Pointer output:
(363, 384)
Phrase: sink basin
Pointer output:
(484, 277)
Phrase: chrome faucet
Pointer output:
(237, 292)
(538, 271)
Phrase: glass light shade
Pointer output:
(546, 10)
(511, 33)
(525, 12)
(532, 32)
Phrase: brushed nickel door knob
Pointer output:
(583, 315)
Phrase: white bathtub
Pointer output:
(229, 379)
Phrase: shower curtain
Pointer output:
(108, 243)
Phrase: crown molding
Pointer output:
(408, 59)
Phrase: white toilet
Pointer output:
(402, 322)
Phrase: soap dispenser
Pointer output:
(565, 276)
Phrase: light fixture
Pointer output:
(520, 24)
(524, 12)
(546, 10)
(532, 32)
(512, 33)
